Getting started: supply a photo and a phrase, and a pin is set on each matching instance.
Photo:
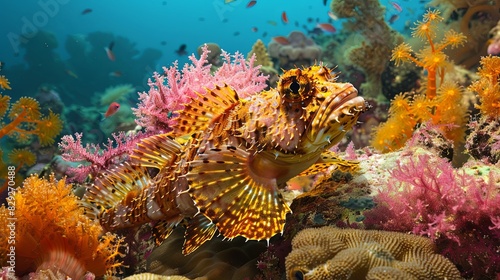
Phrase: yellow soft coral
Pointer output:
(487, 87)
(52, 232)
(26, 121)
(441, 103)
(4, 83)
(431, 58)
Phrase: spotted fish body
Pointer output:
(222, 167)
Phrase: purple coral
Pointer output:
(459, 211)
(168, 92)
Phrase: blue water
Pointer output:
(162, 25)
(149, 23)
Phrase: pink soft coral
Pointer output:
(93, 158)
(168, 92)
(459, 211)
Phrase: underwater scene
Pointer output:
(252, 140)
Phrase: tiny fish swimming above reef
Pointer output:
(223, 165)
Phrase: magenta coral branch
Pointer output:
(92, 157)
(170, 91)
(459, 211)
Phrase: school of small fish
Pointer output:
(223, 166)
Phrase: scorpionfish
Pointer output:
(222, 167)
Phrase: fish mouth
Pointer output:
(345, 104)
(336, 115)
(347, 96)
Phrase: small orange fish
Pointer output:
(282, 40)
(327, 27)
(109, 51)
(284, 17)
(251, 3)
(112, 109)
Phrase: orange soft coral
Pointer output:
(27, 121)
(4, 83)
(431, 58)
(488, 87)
(52, 232)
(441, 104)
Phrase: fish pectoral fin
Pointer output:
(199, 229)
(157, 151)
(162, 229)
(237, 201)
(198, 113)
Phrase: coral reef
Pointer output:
(169, 91)
(371, 49)
(332, 253)
(442, 101)
(301, 51)
(457, 208)
(52, 232)
(262, 58)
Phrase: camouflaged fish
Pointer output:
(222, 167)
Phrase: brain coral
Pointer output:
(332, 253)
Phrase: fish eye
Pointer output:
(298, 275)
(294, 87)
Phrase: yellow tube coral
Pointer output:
(51, 232)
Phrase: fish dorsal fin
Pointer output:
(158, 151)
(198, 113)
(237, 201)
(198, 230)
(115, 186)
